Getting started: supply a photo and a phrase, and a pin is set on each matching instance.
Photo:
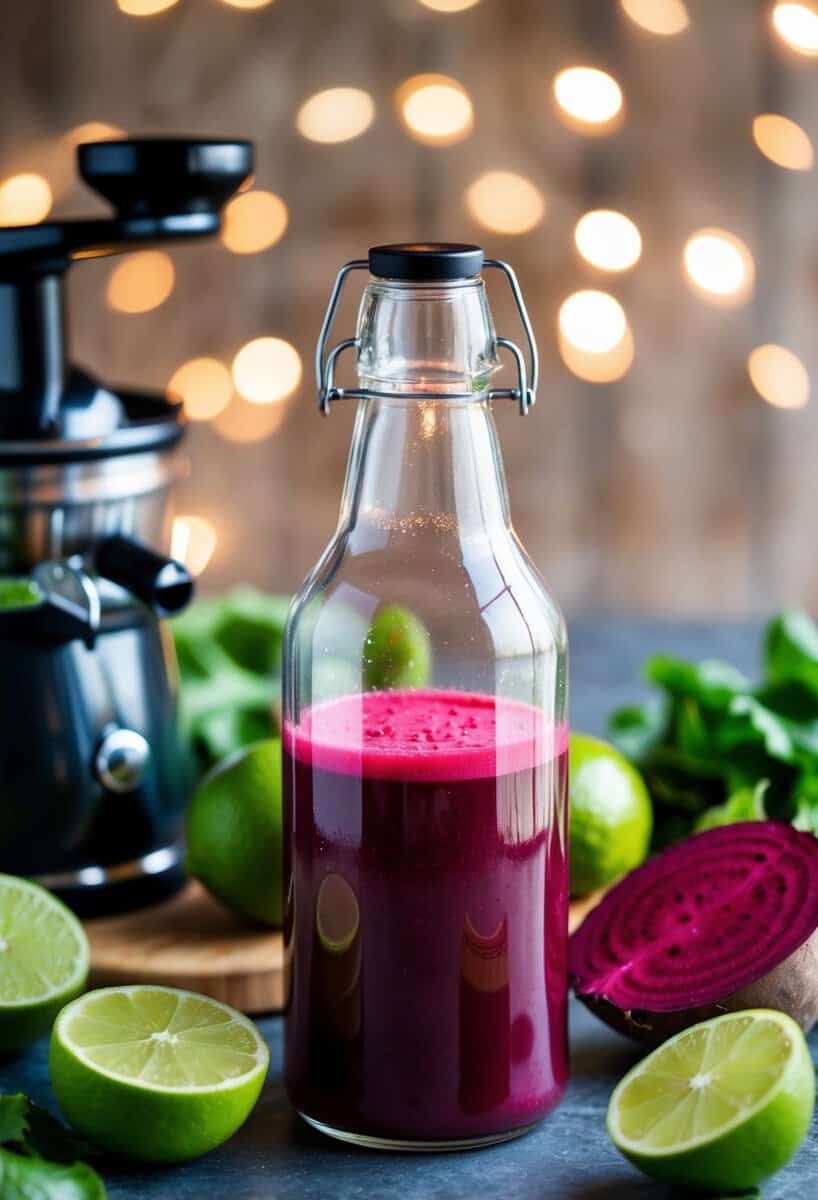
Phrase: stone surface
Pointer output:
(568, 1157)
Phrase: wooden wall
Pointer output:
(676, 490)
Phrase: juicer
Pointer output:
(94, 770)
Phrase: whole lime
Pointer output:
(234, 832)
(611, 815)
(397, 650)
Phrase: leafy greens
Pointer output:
(715, 747)
(39, 1159)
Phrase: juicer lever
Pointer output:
(160, 582)
(162, 189)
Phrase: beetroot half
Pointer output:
(723, 921)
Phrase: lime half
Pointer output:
(155, 1073)
(43, 961)
(719, 1107)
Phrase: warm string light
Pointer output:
(204, 386)
(608, 240)
(141, 282)
(779, 376)
(594, 336)
(783, 141)
(266, 370)
(448, 6)
(94, 131)
(719, 266)
(588, 100)
(25, 199)
(797, 26)
(243, 423)
(664, 17)
(336, 115)
(254, 221)
(193, 540)
(505, 202)
(435, 109)
(145, 8)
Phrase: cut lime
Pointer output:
(719, 1107)
(155, 1073)
(43, 961)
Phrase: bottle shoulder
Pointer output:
(485, 594)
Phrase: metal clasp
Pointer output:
(527, 374)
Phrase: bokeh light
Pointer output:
(779, 376)
(797, 26)
(204, 386)
(145, 8)
(244, 423)
(594, 336)
(193, 540)
(605, 366)
(435, 109)
(141, 282)
(665, 17)
(335, 115)
(247, 3)
(254, 221)
(719, 266)
(505, 202)
(266, 370)
(25, 200)
(94, 131)
(592, 321)
(783, 142)
(608, 240)
(589, 100)
(449, 6)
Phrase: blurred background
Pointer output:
(646, 165)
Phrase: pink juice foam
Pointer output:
(427, 914)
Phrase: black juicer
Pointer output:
(94, 773)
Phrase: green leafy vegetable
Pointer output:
(229, 652)
(715, 747)
(39, 1158)
(747, 804)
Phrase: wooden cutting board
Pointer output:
(191, 942)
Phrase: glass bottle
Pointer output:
(425, 747)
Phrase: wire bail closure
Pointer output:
(525, 393)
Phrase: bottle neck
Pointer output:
(423, 469)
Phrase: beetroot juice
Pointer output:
(426, 926)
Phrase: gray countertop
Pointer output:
(569, 1156)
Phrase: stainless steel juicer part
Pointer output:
(57, 509)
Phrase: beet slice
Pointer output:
(723, 921)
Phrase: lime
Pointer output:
(234, 832)
(397, 651)
(19, 593)
(155, 1073)
(43, 961)
(719, 1107)
(611, 815)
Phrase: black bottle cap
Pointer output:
(426, 261)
